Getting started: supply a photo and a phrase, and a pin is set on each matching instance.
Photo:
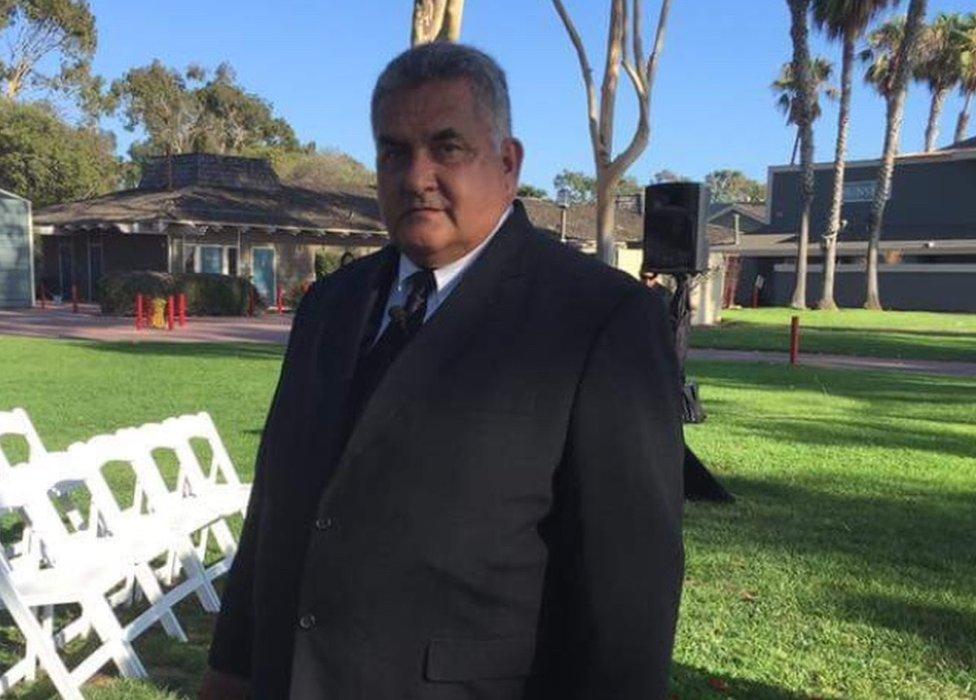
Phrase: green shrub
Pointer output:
(117, 290)
(326, 262)
(206, 294)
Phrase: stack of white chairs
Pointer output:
(101, 554)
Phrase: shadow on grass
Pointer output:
(838, 432)
(688, 683)
(903, 538)
(872, 387)
(240, 351)
(952, 631)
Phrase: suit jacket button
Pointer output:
(323, 524)
(307, 622)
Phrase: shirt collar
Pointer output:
(444, 275)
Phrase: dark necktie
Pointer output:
(404, 323)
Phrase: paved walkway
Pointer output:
(951, 369)
(89, 324)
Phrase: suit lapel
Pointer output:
(339, 351)
(442, 338)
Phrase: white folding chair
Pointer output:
(156, 510)
(17, 422)
(78, 568)
(217, 490)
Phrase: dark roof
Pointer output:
(753, 210)
(209, 169)
(581, 220)
(285, 207)
(965, 143)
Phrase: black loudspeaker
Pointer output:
(675, 220)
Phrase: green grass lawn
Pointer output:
(845, 569)
(896, 334)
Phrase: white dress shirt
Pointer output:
(446, 278)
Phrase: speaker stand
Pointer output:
(700, 484)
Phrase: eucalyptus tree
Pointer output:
(844, 21)
(436, 20)
(625, 49)
(893, 53)
(44, 33)
(939, 66)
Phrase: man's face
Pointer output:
(443, 181)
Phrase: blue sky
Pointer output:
(316, 61)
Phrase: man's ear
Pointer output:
(512, 156)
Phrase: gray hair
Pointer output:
(446, 61)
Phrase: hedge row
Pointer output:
(206, 294)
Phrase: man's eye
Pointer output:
(391, 154)
(449, 150)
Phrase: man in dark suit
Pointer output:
(469, 484)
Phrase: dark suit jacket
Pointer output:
(504, 520)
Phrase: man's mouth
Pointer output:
(421, 210)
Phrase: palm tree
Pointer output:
(967, 76)
(893, 51)
(802, 111)
(939, 66)
(845, 20)
(787, 89)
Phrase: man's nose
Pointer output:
(421, 174)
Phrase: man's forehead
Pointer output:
(429, 109)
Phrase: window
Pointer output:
(214, 259)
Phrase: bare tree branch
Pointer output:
(592, 109)
(611, 76)
(642, 134)
(639, 37)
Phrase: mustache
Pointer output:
(414, 205)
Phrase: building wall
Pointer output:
(121, 252)
(706, 295)
(929, 201)
(905, 287)
(16, 253)
(294, 253)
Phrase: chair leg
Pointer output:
(43, 648)
(110, 632)
(194, 570)
(150, 587)
(225, 538)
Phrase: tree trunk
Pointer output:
(962, 124)
(840, 155)
(895, 115)
(796, 147)
(935, 111)
(436, 20)
(606, 244)
(801, 67)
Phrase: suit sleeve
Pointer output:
(230, 650)
(622, 485)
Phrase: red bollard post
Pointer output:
(139, 312)
(281, 300)
(74, 298)
(170, 312)
(794, 340)
(42, 295)
(181, 299)
(250, 301)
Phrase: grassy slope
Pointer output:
(845, 569)
(898, 334)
